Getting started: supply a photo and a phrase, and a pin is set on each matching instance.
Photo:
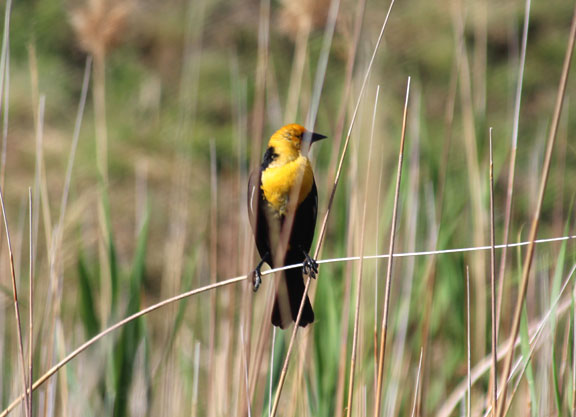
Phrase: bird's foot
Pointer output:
(310, 266)
(257, 274)
(256, 279)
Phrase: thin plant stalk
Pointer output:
(4, 77)
(417, 388)
(271, 371)
(574, 352)
(261, 76)
(16, 309)
(30, 302)
(213, 273)
(360, 268)
(245, 368)
(474, 182)
(468, 344)
(384, 327)
(512, 167)
(536, 217)
(360, 9)
(493, 285)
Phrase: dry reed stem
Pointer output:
(345, 311)
(40, 177)
(298, 64)
(325, 220)
(431, 267)
(16, 308)
(351, 59)
(494, 372)
(468, 347)
(322, 64)
(245, 368)
(360, 269)
(257, 127)
(271, 369)
(73, 147)
(574, 352)
(4, 77)
(536, 217)
(213, 274)
(30, 302)
(480, 23)
(377, 243)
(479, 222)
(417, 388)
(384, 327)
(260, 78)
(512, 167)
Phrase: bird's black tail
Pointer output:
(288, 299)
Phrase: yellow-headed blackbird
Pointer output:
(269, 191)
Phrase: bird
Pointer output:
(282, 191)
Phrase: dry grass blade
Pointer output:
(245, 369)
(384, 329)
(417, 388)
(536, 218)
(30, 301)
(574, 353)
(16, 307)
(213, 272)
(468, 350)
(493, 285)
(512, 168)
(359, 18)
(360, 269)
(75, 139)
(4, 61)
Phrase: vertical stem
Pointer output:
(384, 329)
(99, 95)
(360, 268)
(16, 308)
(493, 286)
(469, 393)
(30, 302)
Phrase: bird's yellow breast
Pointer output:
(278, 181)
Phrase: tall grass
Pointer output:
(135, 127)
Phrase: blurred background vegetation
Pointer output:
(181, 100)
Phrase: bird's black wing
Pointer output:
(258, 216)
(304, 223)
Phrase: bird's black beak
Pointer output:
(313, 137)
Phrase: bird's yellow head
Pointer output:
(288, 140)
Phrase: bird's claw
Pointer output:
(256, 279)
(310, 266)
